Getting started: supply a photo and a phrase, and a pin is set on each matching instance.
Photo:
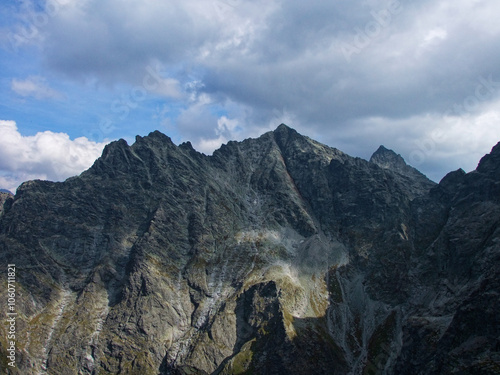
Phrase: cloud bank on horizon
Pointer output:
(45, 155)
(421, 77)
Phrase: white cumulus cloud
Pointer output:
(45, 155)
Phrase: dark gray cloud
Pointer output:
(352, 73)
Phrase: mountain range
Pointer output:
(274, 255)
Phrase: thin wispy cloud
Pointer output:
(35, 87)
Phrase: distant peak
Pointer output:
(384, 150)
(387, 158)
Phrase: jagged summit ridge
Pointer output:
(284, 137)
(274, 255)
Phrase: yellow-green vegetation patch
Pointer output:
(241, 362)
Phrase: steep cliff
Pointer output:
(275, 255)
(4, 196)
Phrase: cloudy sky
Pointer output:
(420, 77)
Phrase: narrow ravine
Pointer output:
(66, 297)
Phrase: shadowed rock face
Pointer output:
(276, 255)
(415, 181)
(4, 196)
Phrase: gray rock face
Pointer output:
(4, 196)
(276, 255)
(417, 182)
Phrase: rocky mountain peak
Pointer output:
(289, 140)
(490, 163)
(274, 255)
(284, 128)
(406, 174)
(283, 133)
(388, 159)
